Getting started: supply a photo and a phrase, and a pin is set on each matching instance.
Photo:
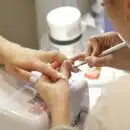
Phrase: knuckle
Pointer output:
(92, 41)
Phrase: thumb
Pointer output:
(66, 68)
(100, 61)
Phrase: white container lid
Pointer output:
(64, 23)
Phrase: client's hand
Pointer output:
(53, 92)
(55, 95)
(20, 61)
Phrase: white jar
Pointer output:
(65, 31)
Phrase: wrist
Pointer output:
(60, 112)
(6, 49)
(60, 100)
(3, 44)
(61, 95)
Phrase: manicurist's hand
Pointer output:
(98, 44)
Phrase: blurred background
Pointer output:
(24, 21)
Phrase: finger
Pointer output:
(89, 49)
(39, 66)
(93, 47)
(98, 62)
(45, 79)
(66, 69)
(42, 86)
(55, 65)
(47, 70)
(52, 56)
(18, 73)
(23, 74)
(73, 68)
(81, 56)
(43, 82)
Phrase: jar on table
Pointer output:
(65, 31)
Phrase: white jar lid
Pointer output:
(64, 23)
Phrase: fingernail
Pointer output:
(89, 61)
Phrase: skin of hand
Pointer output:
(20, 61)
(55, 94)
(98, 44)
